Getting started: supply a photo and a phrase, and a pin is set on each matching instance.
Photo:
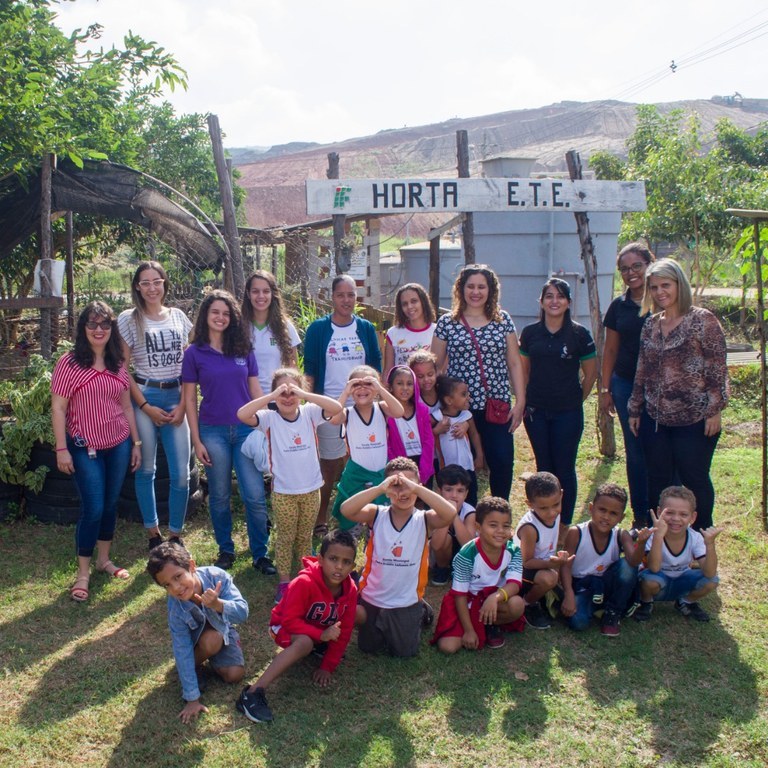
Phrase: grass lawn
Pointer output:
(95, 685)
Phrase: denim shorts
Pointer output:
(230, 655)
(688, 581)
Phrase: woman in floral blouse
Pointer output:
(476, 304)
(681, 385)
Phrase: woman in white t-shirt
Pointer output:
(273, 335)
(413, 328)
(153, 339)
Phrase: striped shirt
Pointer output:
(94, 410)
(473, 571)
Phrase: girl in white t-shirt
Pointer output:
(153, 338)
(273, 335)
(293, 460)
(413, 328)
(455, 429)
(365, 428)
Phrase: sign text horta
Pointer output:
(358, 196)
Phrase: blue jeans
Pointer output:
(637, 477)
(98, 482)
(690, 580)
(555, 437)
(176, 445)
(499, 449)
(617, 586)
(223, 443)
(681, 455)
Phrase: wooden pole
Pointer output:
(70, 270)
(763, 377)
(339, 220)
(468, 227)
(234, 279)
(45, 254)
(434, 271)
(605, 433)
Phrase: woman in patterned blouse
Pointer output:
(681, 385)
(476, 303)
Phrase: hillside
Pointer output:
(274, 179)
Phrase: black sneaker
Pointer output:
(643, 612)
(428, 614)
(609, 626)
(154, 541)
(536, 617)
(202, 678)
(441, 575)
(691, 610)
(254, 706)
(494, 636)
(176, 539)
(264, 565)
(225, 560)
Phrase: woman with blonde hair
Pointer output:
(681, 387)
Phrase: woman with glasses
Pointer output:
(623, 322)
(96, 436)
(681, 384)
(477, 344)
(273, 335)
(153, 339)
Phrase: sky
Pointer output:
(277, 71)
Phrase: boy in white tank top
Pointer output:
(597, 576)
(390, 608)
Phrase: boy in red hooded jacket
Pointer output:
(317, 613)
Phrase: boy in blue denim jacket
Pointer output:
(203, 604)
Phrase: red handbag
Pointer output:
(496, 411)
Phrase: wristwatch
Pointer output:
(137, 443)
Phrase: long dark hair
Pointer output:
(82, 354)
(236, 341)
(277, 318)
(426, 305)
(139, 306)
(564, 290)
(459, 304)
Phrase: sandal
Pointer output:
(320, 530)
(79, 593)
(111, 569)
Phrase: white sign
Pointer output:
(356, 196)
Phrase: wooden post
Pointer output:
(70, 270)
(274, 261)
(45, 254)
(605, 433)
(339, 220)
(434, 271)
(234, 279)
(763, 376)
(468, 227)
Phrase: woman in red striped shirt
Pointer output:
(96, 435)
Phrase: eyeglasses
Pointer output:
(638, 266)
(157, 283)
(105, 325)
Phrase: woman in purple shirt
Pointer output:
(220, 361)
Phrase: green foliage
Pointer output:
(29, 399)
(745, 385)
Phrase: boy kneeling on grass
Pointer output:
(203, 604)
(680, 563)
(599, 577)
(487, 572)
(316, 614)
(390, 610)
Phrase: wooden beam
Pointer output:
(468, 230)
(33, 302)
(606, 436)
(339, 221)
(438, 231)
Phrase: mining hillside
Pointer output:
(274, 178)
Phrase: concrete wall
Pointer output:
(525, 249)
